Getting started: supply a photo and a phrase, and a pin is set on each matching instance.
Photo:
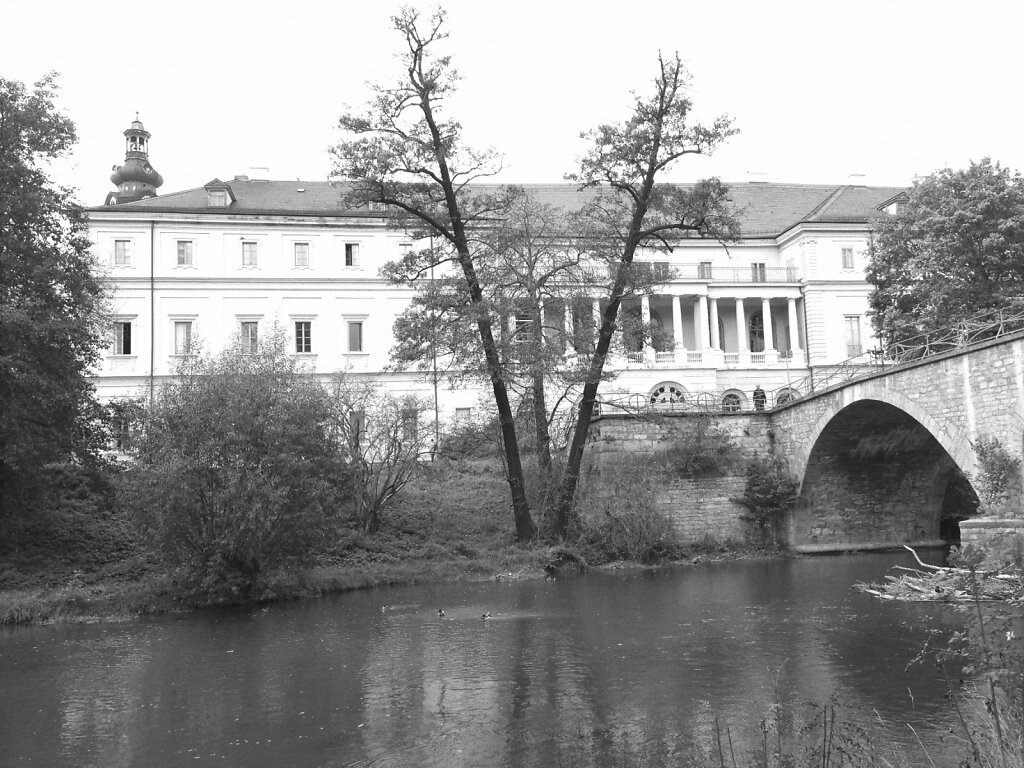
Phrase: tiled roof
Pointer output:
(765, 209)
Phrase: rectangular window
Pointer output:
(521, 326)
(351, 254)
(847, 258)
(462, 415)
(410, 425)
(661, 270)
(184, 253)
(355, 336)
(405, 248)
(249, 342)
(758, 272)
(303, 337)
(853, 345)
(183, 337)
(123, 338)
(217, 198)
(123, 253)
(356, 426)
(249, 253)
(704, 270)
(302, 254)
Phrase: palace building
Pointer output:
(234, 258)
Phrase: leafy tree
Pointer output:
(51, 301)
(238, 468)
(954, 249)
(402, 153)
(632, 209)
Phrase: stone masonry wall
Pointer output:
(1002, 538)
(701, 508)
(955, 397)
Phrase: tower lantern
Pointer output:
(136, 179)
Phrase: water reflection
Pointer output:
(604, 670)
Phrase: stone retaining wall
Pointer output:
(700, 508)
(1003, 538)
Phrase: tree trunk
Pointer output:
(570, 479)
(368, 518)
(562, 511)
(540, 408)
(540, 416)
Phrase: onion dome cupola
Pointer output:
(136, 179)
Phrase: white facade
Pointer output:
(199, 267)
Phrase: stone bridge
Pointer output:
(887, 458)
(883, 459)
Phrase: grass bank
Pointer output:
(83, 561)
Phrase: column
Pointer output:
(700, 322)
(677, 328)
(646, 349)
(716, 342)
(742, 340)
(794, 328)
(771, 354)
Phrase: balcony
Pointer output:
(740, 273)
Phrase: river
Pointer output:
(645, 668)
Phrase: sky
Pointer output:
(870, 92)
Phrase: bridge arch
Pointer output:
(878, 470)
(955, 442)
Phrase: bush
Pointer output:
(239, 468)
(626, 525)
(999, 472)
(706, 450)
(769, 496)
(474, 439)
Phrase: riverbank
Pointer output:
(86, 563)
(87, 598)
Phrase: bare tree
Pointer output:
(632, 209)
(383, 444)
(539, 287)
(403, 154)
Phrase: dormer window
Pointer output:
(217, 198)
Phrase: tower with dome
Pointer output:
(136, 179)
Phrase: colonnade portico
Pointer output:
(719, 334)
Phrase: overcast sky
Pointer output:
(872, 92)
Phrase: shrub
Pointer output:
(769, 496)
(707, 449)
(238, 468)
(626, 525)
(999, 472)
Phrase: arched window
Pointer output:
(733, 401)
(786, 395)
(666, 393)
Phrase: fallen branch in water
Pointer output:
(955, 585)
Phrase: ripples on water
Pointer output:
(601, 670)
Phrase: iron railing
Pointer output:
(981, 327)
(990, 324)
